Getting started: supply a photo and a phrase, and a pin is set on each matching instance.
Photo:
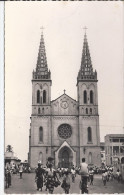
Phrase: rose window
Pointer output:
(64, 131)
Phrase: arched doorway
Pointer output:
(65, 158)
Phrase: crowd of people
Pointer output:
(13, 168)
(52, 178)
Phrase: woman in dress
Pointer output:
(51, 179)
(39, 176)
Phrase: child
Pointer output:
(91, 172)
(104, 178)
(118, 175)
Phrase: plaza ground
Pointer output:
(27, 185)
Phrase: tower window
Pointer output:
(85, 97)
(89, 132)
(41, 100)
(42, 110)
(38, 96)
(40, 134)
(90, 110)
(86, 110)
(91, 97)
(90, 158)
(44, 96)
(38, 110)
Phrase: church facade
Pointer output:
(64, 128)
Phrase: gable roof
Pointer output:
(63, 95)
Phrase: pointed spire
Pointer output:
(41, 60)
(86, 64)
(86, 69)
(41, 66)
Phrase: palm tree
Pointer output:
(9, 148)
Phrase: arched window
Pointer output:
(40, 134)
(41, 157)
(38, 110)
(85, 97)
(41, 99)
(38, 96)
(86, 110)
(89, 133)
(90, 158)
(91, 97)
(42, 110)
(44, 96)
(90, 110)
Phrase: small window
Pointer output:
(38, 110)
(85, 97)
(86, 110)
(42, 110)
(40, 134)
(115, 140)
(89, 132)
(91, 97)
(44, 96)
(122, 140)
(41, 100)
(90, 110)
(38, 96)
(90, 158)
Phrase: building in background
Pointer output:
(10, 158)
(102, 152)
(64, 128)
(114, 149)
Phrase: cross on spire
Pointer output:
(42, 28)
(85, 28)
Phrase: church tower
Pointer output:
(88, 108)
(39, 139)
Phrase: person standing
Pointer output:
(66, 182)
(84, 176)
(73, 172)
(83, 168)
(20, 170)
(39, 177)
(118, 175)
(51, 178)
(104, 177)
(91, 174)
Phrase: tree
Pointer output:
(9, 148)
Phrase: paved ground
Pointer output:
(27, 185)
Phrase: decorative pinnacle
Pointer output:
(64, 91)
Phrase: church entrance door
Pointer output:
(65, 159)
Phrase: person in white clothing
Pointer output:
(21, 170)
(84, 176)
(84, 168)
(73, 172)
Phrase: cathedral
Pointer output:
(64, 128)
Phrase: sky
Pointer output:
(63, 24)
